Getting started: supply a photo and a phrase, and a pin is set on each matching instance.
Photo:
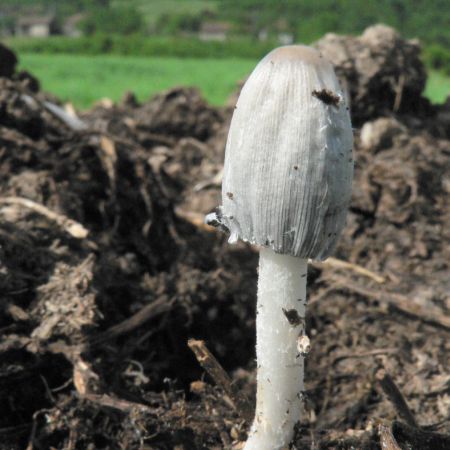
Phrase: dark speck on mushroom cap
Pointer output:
(300, 53)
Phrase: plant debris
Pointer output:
(327, 96)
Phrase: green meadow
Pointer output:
(86, 79)
(83, 80)
(438, 87)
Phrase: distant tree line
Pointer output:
(304, 20)
(122, 20)
(309, 19)
(60, 7)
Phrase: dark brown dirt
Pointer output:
(381, 71)
(94, 327)
(9, 61)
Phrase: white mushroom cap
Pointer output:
(288, 161)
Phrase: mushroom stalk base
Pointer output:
(279, 323)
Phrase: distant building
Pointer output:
(71, 25)
(285, 38)
(214, 31)
(263, 35)
(36, 26)
(280, 30)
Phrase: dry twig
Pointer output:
(75, 229)
(84, 378)
(369, 353)
(335, 263)
(416, 438)
(220, 377)
(387, 440)
(396, 302)
(120, 404)
(394, 394)
(148, 312)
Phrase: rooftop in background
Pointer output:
(35, 20)
(214, 31)
(35, 26)
(154, 9)
(71, 25)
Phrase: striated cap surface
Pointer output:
(288, 159)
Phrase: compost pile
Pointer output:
(106, 271)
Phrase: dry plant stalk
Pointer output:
(75, 229)
(210, 364)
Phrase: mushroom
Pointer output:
(286, 188)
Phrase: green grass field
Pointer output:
(438, 87)
(85, 79)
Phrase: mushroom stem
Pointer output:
(279, 323)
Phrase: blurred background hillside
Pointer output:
(84, 50)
